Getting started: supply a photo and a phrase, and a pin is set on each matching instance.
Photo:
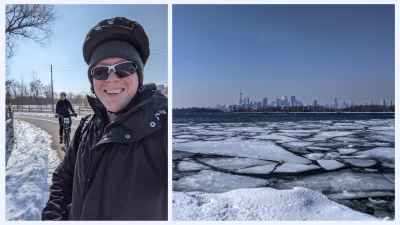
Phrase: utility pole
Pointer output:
(52, 95)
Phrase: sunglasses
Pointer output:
(62, 96)
(122, 69)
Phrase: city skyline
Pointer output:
(342, 51)
(246, 102)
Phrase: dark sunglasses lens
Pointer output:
(100, 73)
(125, 69)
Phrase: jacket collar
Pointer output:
(138, 122)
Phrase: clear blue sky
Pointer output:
(313, 52)
(65, 50)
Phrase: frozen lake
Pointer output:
(349, 161)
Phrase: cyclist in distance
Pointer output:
(62, 108)
(116, 167)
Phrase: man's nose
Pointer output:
(112, 76)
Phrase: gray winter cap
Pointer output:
(116, 49)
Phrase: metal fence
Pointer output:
(80, 110)
(9, 128)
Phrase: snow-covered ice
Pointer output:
(298, 204)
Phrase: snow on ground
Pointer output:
(28, 172)
(298, 204)
(44, 115)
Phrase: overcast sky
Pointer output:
(313, 52)
(64, 52)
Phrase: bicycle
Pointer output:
(66, 123)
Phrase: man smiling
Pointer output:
(116, 167)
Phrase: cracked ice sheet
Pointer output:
(190, 166)
(380, 153)
(248, 129)
(276, 137)
(295, 168)
(347, 139)
(234, 163)
(361, 162)
(340, 181)
(250, 149)
(297, 144)
(259, 204)
(300, 131)
(266, 169)
(331, 134)
(330, 164)
(216, 182)
(213, 133)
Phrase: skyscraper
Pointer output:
(336, 105)
(264, 102)
(293, 101)
(383, 102)
(240, 100)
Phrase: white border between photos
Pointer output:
(170, 94)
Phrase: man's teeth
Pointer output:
(114, 91)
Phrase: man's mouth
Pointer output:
(114, 92)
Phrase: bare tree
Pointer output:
(35, 87)
(29, 22)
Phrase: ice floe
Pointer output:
(344, 151)
(295, 168)
(216, 182)
(234, 163)
(266, 169)
(340, 181)
(379, 153)
(190, 166)
(330, 164)
(361, 162)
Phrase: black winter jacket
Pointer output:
(63, 106)
(118, 171)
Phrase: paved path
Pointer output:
(50, 125)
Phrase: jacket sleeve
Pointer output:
(61, 189)
(70, 107)
(57, 106)
(166, 135)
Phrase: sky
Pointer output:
(65, 55)
(313, 52)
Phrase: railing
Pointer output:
(9, 128)
(80, 110)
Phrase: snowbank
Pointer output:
(44, 114)
(28, 172)
(298, 204)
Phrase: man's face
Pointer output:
(63, 98)
(115, 92)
